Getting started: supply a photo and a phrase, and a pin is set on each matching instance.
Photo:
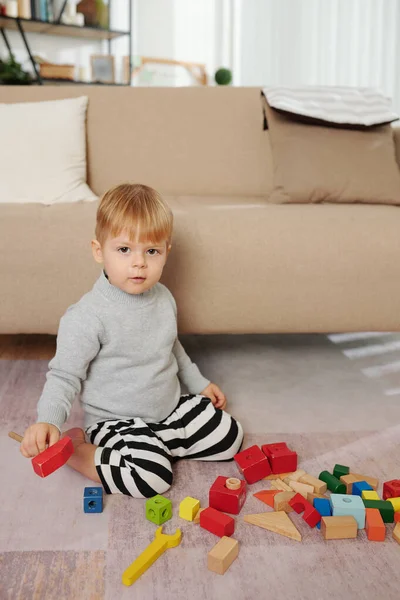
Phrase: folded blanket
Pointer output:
(331, 104)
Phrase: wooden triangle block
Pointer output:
(278, 522)
(267, 496)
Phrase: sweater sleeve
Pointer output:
(188, 372)
(78, 342)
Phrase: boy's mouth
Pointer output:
(137, 278)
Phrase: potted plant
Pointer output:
(11, 73)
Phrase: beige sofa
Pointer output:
(239, 264)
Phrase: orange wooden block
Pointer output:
(397, 517)
(374, 525)
(267, 496)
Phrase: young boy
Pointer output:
(118, 347)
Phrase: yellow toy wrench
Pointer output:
(157, 547)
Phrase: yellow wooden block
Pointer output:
(395, 502)
(188, 508)
(369, 495)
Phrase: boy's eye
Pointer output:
(123, 248)
(153, 250)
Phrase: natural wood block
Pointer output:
(348, 481)
(319, 486)
(281, 501)
(220, 558)
(339, 528)
(197, 517)
(301, 488)
(373, 482)
(396, 533)
(278, 484)
(311, 497)
(278, 522)
(282, 476)
(295, 476)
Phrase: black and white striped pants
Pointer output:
(135, 458)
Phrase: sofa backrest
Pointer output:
(182, 141)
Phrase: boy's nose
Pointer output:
(139, 261)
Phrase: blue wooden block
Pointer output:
(360, 486)
(93, 500)
(345, 504)
(323, 506)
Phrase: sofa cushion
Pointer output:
(318, 163)
(43, 152)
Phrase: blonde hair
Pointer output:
(133, 207)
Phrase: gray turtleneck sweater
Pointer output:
(121, 351)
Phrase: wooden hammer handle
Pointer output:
(15, 436)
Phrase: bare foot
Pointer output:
(82, 459)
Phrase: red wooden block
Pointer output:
(222, 498)
(53, 458)
(311, 516)
(281, 459)
(217, 522)
(391, 489)
(253, 464)
(267, 496)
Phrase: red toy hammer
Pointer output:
(52, 458)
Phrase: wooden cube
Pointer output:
(220, 558)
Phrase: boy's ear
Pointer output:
(169, 246)
(97, 251)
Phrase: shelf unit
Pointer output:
(56, 28)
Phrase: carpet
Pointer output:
(328, 411)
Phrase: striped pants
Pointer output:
(135, 458)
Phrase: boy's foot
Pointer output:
(77, 436)
(82, 459)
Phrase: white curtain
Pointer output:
(327, 42)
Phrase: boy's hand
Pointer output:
(37, 437)
(216, 396)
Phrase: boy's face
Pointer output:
(125, 262)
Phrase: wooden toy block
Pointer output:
(359, 487)
(300, 504)
(311, 497)
(189, 508)
(220, 558)
(319, 486)
(281, 501)
(273, 476)
(345, 505)
(158, 509)
(323, 506)
(158, 546)
(217, 522)
(233, 483)
(385, 508)
(278, 484)
(52, 458)
(267, 496)
(301, 488)
(93, 500)
(339, 528)
(374, 525)
(391, 489)
(280, 457)
(197, 517)
(253, 464)
(373, 482)
(396, 533)
(348, 481)
(395, 502)
(295, 476)
(334, 484)
(340, 470)
(397, 517)
(225, 499)
(278, 522)
(369, 495)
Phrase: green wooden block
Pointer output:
(385, 508)
(158, 509)
(340, 470)
(333, 483)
